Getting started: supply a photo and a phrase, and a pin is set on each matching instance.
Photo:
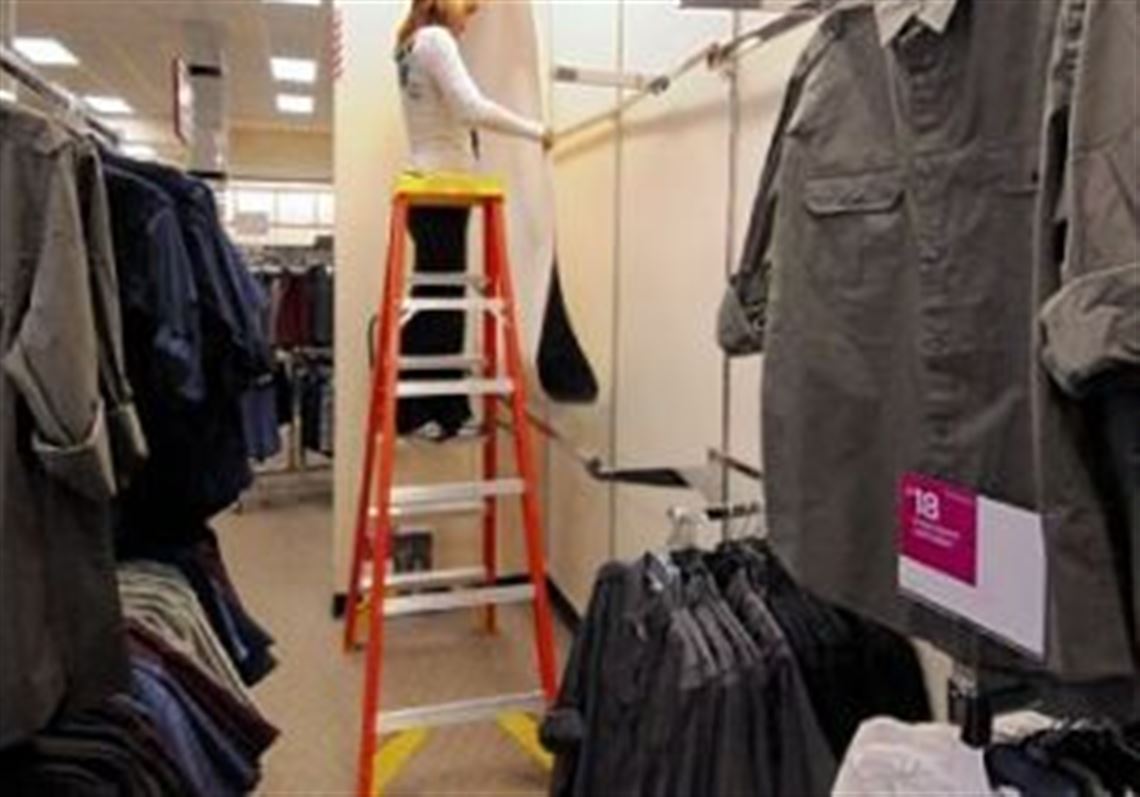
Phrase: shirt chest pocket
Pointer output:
(855, 232)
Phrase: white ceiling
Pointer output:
(126, 48)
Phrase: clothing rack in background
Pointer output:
(60, 98)
(714, 55)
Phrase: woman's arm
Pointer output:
(441, 58)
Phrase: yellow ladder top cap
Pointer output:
(449, 187)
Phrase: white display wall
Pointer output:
(651, 212)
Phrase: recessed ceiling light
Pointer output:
(9, 96)
(44, 51)
(294, 70)
(116, 106)
(294, 2)
(139, 151)
(295, 103)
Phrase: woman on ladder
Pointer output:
(443, 110)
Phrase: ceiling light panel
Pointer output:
(44, 51)
(9, 96)
(294, 70)
(295, 103)
(112, 106)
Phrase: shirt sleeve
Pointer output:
(53, 360)
(743, 314)
(442, 60)
(1091, 323)
(128, 443)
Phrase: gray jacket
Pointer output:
(68, 433)
(890, 276)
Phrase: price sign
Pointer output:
(978, 559)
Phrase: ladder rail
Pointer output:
(524, 452)
(386, 398)
(491, 325)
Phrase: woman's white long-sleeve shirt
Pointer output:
(442, 104)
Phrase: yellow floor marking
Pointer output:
(395, 754)
(523, 728)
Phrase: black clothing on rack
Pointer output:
(200, 457)
(713, 673)
(853, 668)
(1077, 760)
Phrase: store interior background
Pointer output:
(652, 211)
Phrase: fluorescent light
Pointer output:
(294, 70)
(143, 152)
(114, 106)
(8, 96)
(44, 51)
(294, 2)
(295, 103)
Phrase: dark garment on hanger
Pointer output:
(295, 312)
(316, 403)
(1010, 765)
(159, 298)
(200, 462)
(283, 392)
(1089, 258)
(68, 432)
(321, 296)
(260, 420)
(896, 225)
(853, 669)
(225, 285)
(440, 235)
(804, 763)
(667, 692)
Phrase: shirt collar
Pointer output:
(892, 15)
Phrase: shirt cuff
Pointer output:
(86, 466)
(1092, 326)
(740, 320)
(562, 730)
(129, 448)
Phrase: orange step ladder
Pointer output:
(372, 592)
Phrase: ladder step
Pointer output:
(455, 387)
(431, 579)
(484, 709)
(427, 495)
(416, 305)
(447, 362)
(457, 599)
(433, 510)
(447, 280)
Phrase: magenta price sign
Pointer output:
(939, 526)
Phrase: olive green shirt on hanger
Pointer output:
(69, 436)
(890, 277)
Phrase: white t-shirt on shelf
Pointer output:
(442, 104)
